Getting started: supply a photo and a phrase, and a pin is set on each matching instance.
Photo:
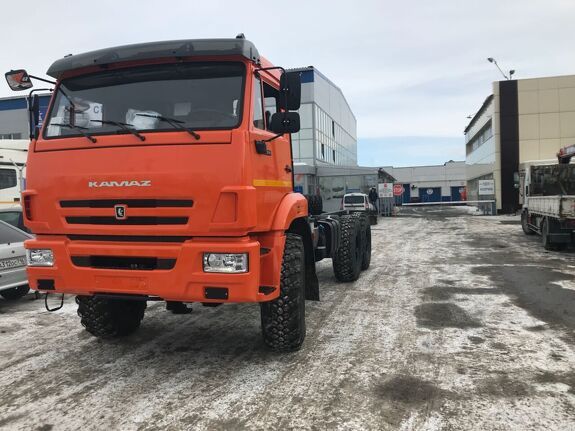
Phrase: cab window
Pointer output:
(257, 104)
(7, 178)
(271, 99)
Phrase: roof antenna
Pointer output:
(240, 36)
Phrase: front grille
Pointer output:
(137, 220)
(122, 262)
(130, 203)
(129, 238)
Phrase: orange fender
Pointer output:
(292, 206)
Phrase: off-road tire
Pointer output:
(348, 257)
(545, 230)
(110, 318)
(15, 292)
(283, 319)
(314, 204)
(366, 261)
(365, 239)
(525, 223)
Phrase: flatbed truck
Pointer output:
(549, 200)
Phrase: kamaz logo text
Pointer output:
(133, 183)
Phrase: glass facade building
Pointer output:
(328, 135)
(480, 150)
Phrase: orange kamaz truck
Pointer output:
(163, 172)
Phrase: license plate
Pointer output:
(13, 262)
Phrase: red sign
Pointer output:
(398, 189)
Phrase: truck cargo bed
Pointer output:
(554, 206)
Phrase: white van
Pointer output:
(356, 202)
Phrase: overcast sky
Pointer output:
(412, 71)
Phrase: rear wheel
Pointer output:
(545, 231)
(366, 261)
(283, 319)
(110, 318)
(315, 204)
(15, 292)
(348, 258)
(365, 239)
(525, 223)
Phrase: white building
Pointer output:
(523, 120)
(438, 183)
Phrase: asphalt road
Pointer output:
(461, 323)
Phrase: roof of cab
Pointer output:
(153, 50)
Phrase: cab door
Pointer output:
(271, 161)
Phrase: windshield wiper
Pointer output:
(176, 124)
(79, 129)
(123, 126)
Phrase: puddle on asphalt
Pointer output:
(567, 378)
(408, 390)
(535, 290)
(504, 387)
(437, 315)
(445, 293)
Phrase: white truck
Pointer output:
(548, 193)
(13, 154)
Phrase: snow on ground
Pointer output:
(461, 323)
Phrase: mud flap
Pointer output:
(301, 227)
(311, 282)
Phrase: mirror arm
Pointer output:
(273, 137)
(262, 148)
(270, 68)
(43, 80)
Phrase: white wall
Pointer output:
(452, 174)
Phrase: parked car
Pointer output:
(359, 203)
(356, 202)
(13, 278)
(13, 216)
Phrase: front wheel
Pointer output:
(283, 319)
(525, 223)
(110, 318)
(15, 292)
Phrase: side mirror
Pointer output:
(285, 122)
(18, 80)
(290, 88)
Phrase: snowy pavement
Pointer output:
(461, 323)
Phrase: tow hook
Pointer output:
(56, 308)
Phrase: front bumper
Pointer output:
(184, 281)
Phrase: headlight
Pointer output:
(40, 257)
(226, 262)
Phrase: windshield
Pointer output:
(354, 199)
(194, 95)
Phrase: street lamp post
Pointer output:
(511, 72)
